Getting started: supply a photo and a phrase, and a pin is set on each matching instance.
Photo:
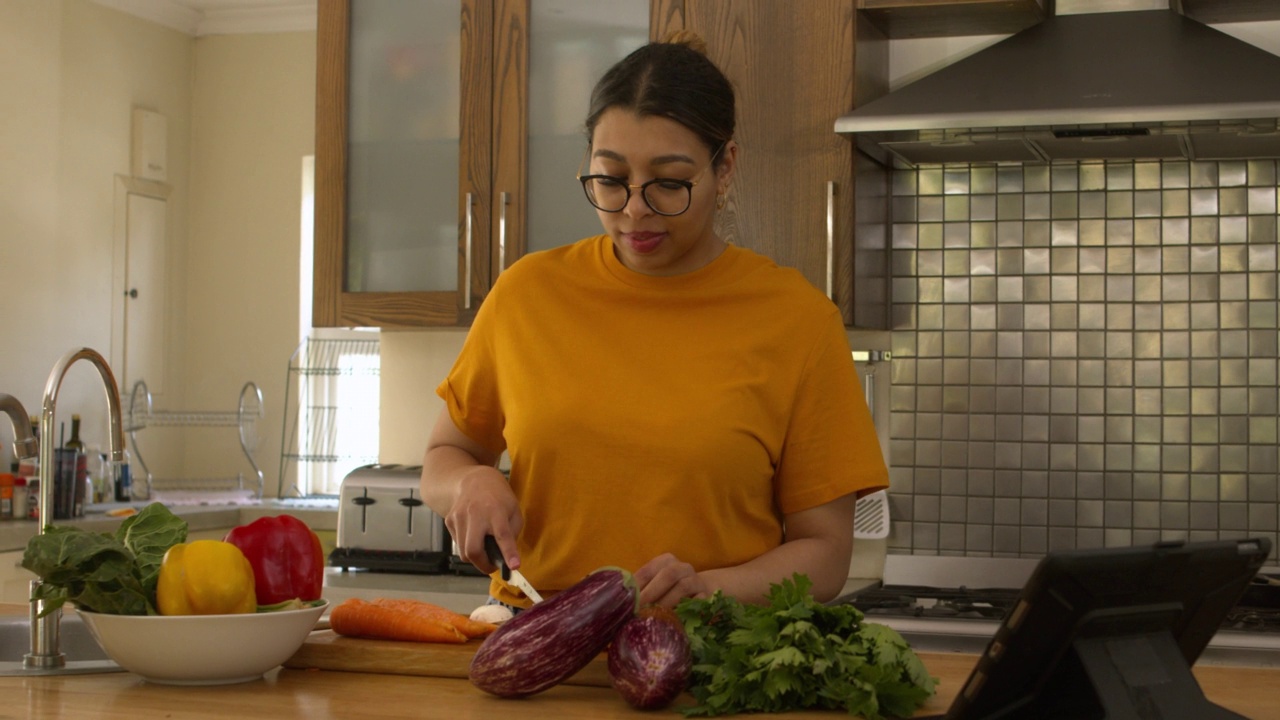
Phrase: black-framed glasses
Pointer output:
(664, 196)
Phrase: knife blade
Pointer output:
(514, 577)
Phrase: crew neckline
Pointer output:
(719, 267)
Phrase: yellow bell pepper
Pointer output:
(205, 577)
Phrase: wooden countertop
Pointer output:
(326, 694)
(320, 695)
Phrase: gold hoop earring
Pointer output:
(720, 201)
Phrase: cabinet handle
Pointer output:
(503, 198)
(831, 238)
(466, 281)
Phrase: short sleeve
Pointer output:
(471, 390)
(831, 447)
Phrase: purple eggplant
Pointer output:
(650, 662)
(546, 644)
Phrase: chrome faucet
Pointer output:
(25, 444)
(45, 652)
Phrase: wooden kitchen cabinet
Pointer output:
(448, 133)
(802, 194)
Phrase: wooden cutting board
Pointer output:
(327, 650)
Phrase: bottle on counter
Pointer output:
(101, 483)
(75, 443)
(20, 511)
(123, 479)
(78, 459)
(6, 496)
(33, 497)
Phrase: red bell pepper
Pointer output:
(286, 556)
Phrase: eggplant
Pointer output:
(549, 642)
(650, 662)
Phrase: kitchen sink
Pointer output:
(84, 655)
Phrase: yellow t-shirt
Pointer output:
(645, 414)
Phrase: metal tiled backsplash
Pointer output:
(1083, 356)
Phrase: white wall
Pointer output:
(240, 111)
(253, 110)
(70, 74)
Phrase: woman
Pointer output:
(671, 404)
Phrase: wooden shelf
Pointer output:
(941, 18)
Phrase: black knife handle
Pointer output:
(492, 550)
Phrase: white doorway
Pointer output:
(140, 287)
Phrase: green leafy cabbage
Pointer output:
(104, 572)
(796, 653)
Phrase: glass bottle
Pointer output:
(75, 443)
(80, 494)
(20, 499)
(123, 479)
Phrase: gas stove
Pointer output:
(956, 604)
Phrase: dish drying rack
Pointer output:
(245, 418)
(313, 461)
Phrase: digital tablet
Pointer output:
(1111, 634)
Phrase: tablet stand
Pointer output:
(1124, 677)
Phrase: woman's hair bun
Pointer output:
(688, 38)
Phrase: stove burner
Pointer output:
(912, 601)
(1251, 619)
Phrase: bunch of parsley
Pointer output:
(796, 653)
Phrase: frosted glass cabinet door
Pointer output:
(571, 44)
(403, 144)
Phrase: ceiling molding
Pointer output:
(222, 17)
(162, 12)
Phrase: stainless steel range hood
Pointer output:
(1111, 85)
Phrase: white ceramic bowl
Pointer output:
(202, 649)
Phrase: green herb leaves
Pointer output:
(101, 572)
(796, 653)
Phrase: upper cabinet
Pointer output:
(448, 133)
(802, 194)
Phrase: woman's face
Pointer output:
(638, 149)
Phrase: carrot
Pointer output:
(464, 624)
(357, 618)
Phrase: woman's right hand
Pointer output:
(484, 505)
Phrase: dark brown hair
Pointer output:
(672, 79)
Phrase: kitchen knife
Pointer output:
(512, 576)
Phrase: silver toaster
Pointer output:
(383, 524)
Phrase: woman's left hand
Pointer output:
(666, 580)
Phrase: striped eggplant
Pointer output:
(546, 644)
(650, 662)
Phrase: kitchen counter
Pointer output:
(458, 593)
(320, 515)
(318, 695)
